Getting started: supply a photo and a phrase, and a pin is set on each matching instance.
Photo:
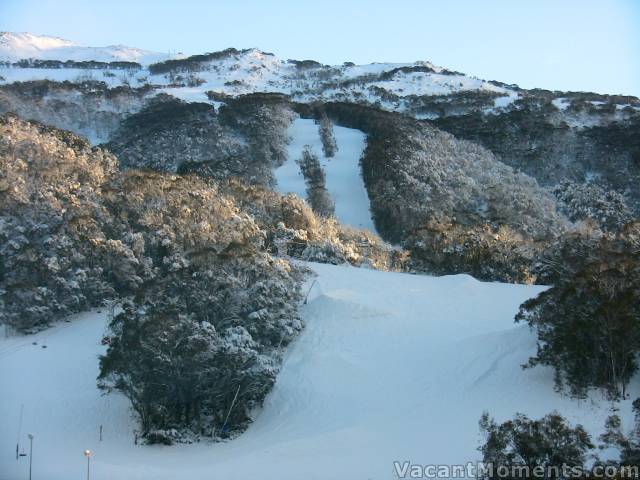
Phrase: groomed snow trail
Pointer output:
(343, 173)
(390, 367)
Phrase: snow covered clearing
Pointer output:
(113, 78)
(288, 176)
(505, 100)
(420, 83)
(188, 94)
(561, 103)
(343, 172)
(390, 367)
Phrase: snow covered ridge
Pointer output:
(236, 72)
(420, 89)
(391, 86)
(19, 46)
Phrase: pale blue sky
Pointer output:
(556, 44)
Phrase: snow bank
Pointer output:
(390, 367)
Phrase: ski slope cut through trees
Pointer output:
(343, 172)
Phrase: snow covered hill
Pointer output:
(18, 46)
(390, 367)
(247, 71)
(393, 86)
(419, 89)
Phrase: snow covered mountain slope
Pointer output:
(247, 71)
(233, 72)
(343, 172)
(18, 46)
(390, 367)
(419, 89)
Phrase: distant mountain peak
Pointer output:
(24, 45)
(28, 41)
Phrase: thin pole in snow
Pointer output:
(19, 431)
(87, 453)
(30, 454)
(230, 408)
(100, 432)
(307, 295)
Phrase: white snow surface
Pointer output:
(113, 78)
(561, 103)
(17, 46)
(390, 367)
(343, 173)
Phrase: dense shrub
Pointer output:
(522, 444)
(51, 222)
(199, 341)
(588, 323)
(329, 144)
(75, 231)
(199, 350)
(246, 138)
(87, 108)
(87, 64)
(583, 146)
(263, 119)
(415, 173)
(193, 63)
(627, 444)
(293, 230)
(485, 251)
(450, 202)
(314, 177)
(582, 201)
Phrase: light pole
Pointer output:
(30, 453)
(87, 453)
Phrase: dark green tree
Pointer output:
(522, 442)
(588, 323)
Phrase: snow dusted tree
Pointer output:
(51, 219)
(329, 144)
(199, 350)
(628, 445)
(596, 294)
(581, 201)
(294, 230)
(547, 443)
(199, 345)
(314, 177)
